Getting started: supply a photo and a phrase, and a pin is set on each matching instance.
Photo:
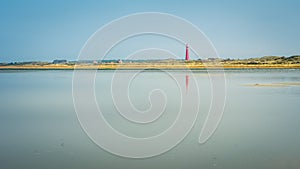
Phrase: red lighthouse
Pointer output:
(187, 56)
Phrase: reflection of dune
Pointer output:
(282, 84)
(283, 161)
(291, 83)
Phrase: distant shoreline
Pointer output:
(266, 62)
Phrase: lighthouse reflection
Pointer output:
(187, 78)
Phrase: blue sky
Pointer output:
(57, 29)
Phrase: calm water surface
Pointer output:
(259, 129)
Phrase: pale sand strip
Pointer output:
(152, 66)
(282, 84)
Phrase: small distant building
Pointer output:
(120, 61)
(63, 61)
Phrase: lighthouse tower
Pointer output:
(187, 56)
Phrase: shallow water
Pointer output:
(259, 128)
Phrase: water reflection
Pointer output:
(187, 78)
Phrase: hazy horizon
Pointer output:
(115, 59)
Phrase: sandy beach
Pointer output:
(108, 66)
